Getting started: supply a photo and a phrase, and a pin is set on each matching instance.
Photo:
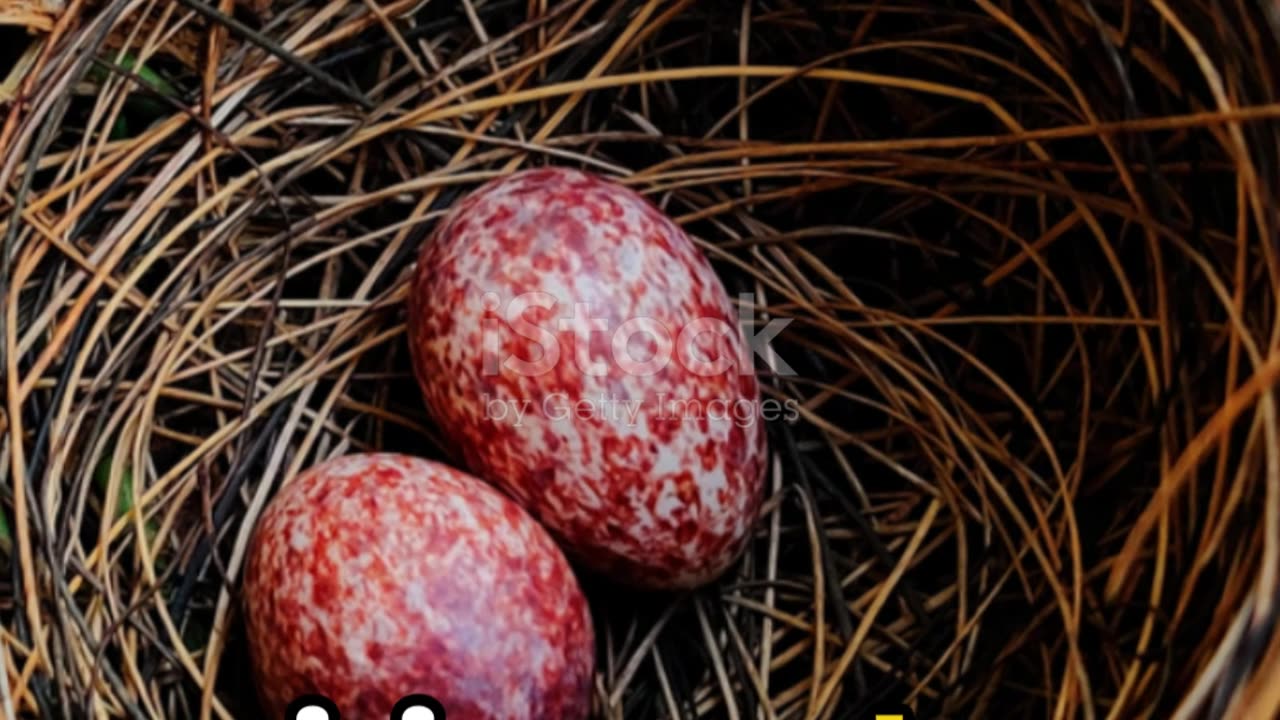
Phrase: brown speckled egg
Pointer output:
(578, 350)
(376, 576)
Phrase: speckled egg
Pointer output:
(578, 350)
(372, 577)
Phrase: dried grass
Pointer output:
(1029, 247)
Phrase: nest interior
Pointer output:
(1027, 249)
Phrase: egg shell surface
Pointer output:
(371, 577)
(577, 349)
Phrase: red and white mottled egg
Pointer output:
(578, 350)
(375, 576)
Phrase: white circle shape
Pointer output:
(312, 712)
(418, 712)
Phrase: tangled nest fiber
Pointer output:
(1028, 249)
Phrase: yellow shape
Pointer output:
(890, 717)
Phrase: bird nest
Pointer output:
(1025, 252)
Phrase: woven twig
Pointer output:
(1028, 251)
